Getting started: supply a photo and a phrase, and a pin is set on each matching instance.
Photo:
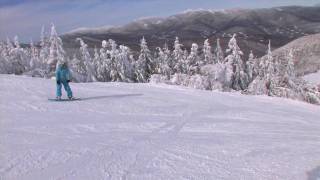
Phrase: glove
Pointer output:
(68, 81)
(58, 82)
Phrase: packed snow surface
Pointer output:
(143, 131)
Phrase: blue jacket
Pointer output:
(63, 73)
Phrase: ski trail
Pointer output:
(141, 131)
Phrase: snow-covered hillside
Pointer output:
(306, 51)
(313, 78)
(143, 131)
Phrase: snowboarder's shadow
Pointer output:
(110, 96)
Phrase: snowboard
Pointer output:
(54, 99)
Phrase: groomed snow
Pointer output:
(143, 131)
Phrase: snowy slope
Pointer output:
(306, 52)
(313, 78)
(143, 131)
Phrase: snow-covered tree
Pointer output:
(78, 69)
(193, 60)
(124, 67)
(4, 58)
(88, 62)
(44, 48)
(34, 57)
(97, 63)
(267, 80)
(113, 53)
(269, 70)
(269, 65)
(184, 61)
(18, 57)
(177, 56)
(290, 72)
(144, 65)
(56, 53)
(164, 60)
(104, 68)
(250, 67)
(218, 53)
(207, 54)
(239, 79)
(9, 45)
(78, 65)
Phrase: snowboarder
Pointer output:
(63, 77)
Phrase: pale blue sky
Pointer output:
(25, 17)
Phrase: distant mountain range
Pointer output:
(254, 27)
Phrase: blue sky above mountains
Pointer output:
(25, 17)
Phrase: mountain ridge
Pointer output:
(254, 28)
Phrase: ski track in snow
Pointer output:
(143, 131)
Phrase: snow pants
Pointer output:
(66, 87)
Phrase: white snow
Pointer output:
(313, 78)
(101, 29)
(144, 131)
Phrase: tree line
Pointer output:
(203, 68)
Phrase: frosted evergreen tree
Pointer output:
(269, 67)
(78, 69)
(6, 57)
(164, 59)
(112, 64)
(2, 49)
(168, 58)
(262, 67)
(277, 66)
(193, 61)
(56, 53)
(208, 56)
(88, 62)
(177, 56)
(97, 63)
(269, 71)
(124, 67)
(140, 70)
(168, 62)
(254, 61)
(144, 65)
(184, 61)
(3, 58)
(44, 48)
(157, 61)
(78, 65)
(9, 46)
(218, 53)
(290, 72)
(34, 57)
(18, 57)
(105, 66)
(235, 66)
(250, 67)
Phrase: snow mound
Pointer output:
(145, 131)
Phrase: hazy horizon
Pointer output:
(25, 18)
